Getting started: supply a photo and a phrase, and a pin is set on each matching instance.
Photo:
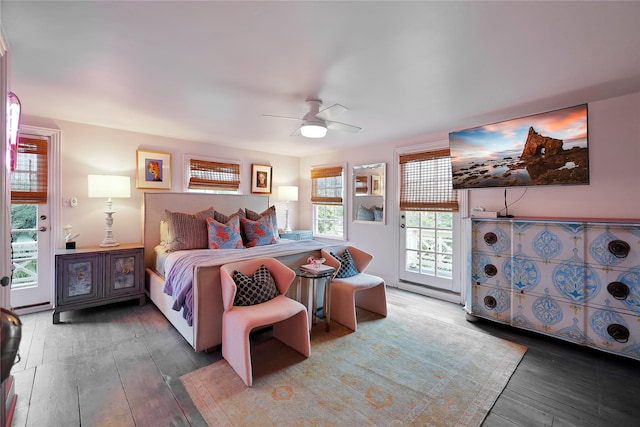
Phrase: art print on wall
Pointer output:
(544, 149)
(261, 179)
(153, 170)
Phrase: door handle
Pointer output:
(402, 225)
(43, 228)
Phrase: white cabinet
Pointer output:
(575, 280)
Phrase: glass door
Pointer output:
(427, 249)
(29, 253)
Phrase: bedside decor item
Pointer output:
(109, 186)
(261, 179)
(154, 170)
(288, 193)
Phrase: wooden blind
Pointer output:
(29, 179)
(426, 182)
(326, 185)
(208, 175)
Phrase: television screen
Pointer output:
(543, 149)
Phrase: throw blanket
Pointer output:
(179, 266)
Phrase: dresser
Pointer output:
(92, 276)
(574, 280)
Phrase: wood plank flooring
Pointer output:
(120, 365)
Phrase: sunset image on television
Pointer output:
(543, 149)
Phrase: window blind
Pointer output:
(326, 186)
(208, 175)
(426, 182)
(29, 180)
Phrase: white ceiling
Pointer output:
(207, 71)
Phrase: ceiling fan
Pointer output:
(315, 123)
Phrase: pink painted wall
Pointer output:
(614, 172)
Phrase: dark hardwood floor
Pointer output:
(120, 365)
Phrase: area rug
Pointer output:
(404, 369)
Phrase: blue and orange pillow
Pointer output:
(225, 236)
(258, 233)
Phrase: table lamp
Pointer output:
(109, 186)
(289, 193)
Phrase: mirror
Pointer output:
(369, 193)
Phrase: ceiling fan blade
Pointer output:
(297, 131)
(342, 127)
(331, 112)
(282, 117)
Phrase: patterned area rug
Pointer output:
(394, 371)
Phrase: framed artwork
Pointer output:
(376, 185)
(260, 179)
(153, 170)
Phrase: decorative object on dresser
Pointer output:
(574, 280)
(297, 235)
(93, 276)
(287, 193)
(153, 170)
(109, 186)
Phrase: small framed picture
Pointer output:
(260, 179)
(153, 170)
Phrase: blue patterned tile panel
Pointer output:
(549, 241)
(619, 289)
(603, 239)
(491, 236)
(492, 302)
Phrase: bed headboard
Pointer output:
(155, 204)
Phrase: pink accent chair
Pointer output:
(288, 317)
(362, 290)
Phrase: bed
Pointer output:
(200, 320)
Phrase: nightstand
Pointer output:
(92, 276)
(297, 235)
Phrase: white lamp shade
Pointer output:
(288, 193)
(109, 186)
(313, 131)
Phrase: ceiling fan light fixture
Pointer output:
(313, 130)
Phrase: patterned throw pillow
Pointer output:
(254, 290)
(223, 219)
(270, 213)
(347, 266)
(258, 233)
(225, 236)
(187, 231)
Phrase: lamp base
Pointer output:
(104, 244)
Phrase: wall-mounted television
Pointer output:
(543, 149)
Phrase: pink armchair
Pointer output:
(362, 290)
(288, 317)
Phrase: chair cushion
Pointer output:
(347, 266)
(225, 236)
(254, 290)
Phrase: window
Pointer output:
(212, 176)
(425, 182)
(327, 184)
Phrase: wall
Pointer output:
(614, 156)
(95, 150)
